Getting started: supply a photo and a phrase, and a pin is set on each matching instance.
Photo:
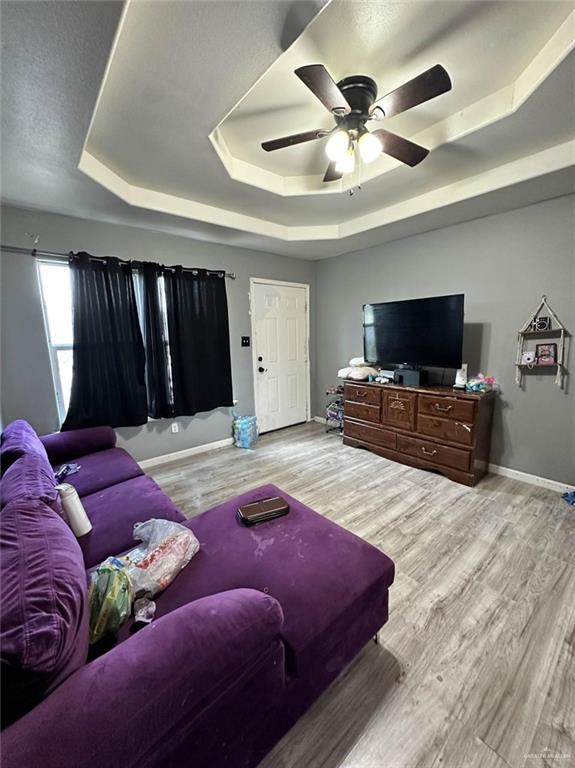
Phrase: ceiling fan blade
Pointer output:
(403, 150)
(424, 87)
(331, 174)
(321, 84)
(296, 138)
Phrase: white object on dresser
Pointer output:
(461, 377)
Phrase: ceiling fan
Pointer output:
(352, 102)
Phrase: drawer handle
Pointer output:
(465, 426)
(361, 394)
(446, 409)
(428, 453)
(397, 404)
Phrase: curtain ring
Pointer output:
(194, 272)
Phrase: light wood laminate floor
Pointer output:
(476, 667)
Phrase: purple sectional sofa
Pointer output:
(251, 632)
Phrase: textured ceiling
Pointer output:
(484, 46)
(178, 70)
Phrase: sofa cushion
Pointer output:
(19, 439)
(115, 510)
(322, 575)
(44, 618)
(63, 446)
(102, 469)
(30, 477)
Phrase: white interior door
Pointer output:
(280, 332)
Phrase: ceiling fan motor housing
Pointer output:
(360, 92)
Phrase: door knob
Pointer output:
(260, 359)
(262, 370)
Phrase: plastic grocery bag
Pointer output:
(166, 548)
(110, 598)
(147, 569)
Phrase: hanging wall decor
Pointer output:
(543, 325)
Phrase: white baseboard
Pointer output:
(514, 474)
(166, 458)
(525, 477)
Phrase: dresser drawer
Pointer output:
(362, 394)
(447, 407)
(445, 429)
(361, 411)
(434, 453)
(399, 409)
(384, 437)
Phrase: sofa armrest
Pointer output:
(126, 705)
(63, 446)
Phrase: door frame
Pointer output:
(288, 284)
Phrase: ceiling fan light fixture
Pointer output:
(352, 103)
(337, 145)
(346, 162)
(370, 147)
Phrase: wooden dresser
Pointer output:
(426, 427)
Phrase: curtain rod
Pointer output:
(64, 257)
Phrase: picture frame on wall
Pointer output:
(546, 354)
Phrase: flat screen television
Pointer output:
(419, 332)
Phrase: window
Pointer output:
(56, 290)
(55, 280)
(140, 304)
(164, 314)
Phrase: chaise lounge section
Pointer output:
(250, 633)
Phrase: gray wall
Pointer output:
(503, 264)
(27, 386)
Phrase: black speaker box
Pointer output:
(409, 377)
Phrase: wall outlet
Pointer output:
(175, 427)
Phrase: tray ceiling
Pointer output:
(188, 90)
(484, 46)
(165, 137)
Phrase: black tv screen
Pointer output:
(426, 332)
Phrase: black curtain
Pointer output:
(108, 380)
(197, 311)
(160, 403)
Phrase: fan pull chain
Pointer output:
(357, 170)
